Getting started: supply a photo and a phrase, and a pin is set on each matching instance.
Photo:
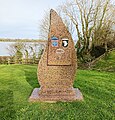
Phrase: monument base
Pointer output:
(35, 97)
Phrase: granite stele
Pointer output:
(57, 66)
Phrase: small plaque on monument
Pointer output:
(57, 66)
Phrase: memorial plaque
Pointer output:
(59, 52)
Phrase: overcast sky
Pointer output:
(20, 18)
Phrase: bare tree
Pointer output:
(13, 48)
(88, 16)
(16, 51)
(105, 34)
(23, 52)
(44, 26)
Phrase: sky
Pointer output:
(21, 18)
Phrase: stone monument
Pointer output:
(57, 66)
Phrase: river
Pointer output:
(3, 48)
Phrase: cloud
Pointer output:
(22, 16)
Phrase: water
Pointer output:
(3, 48)
(4, 45)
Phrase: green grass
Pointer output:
(18, 81)
(107, 63)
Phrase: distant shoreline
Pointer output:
(22, 40)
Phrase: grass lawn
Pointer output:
(18, 81)
(107, 63)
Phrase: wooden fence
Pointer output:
(13, 60)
